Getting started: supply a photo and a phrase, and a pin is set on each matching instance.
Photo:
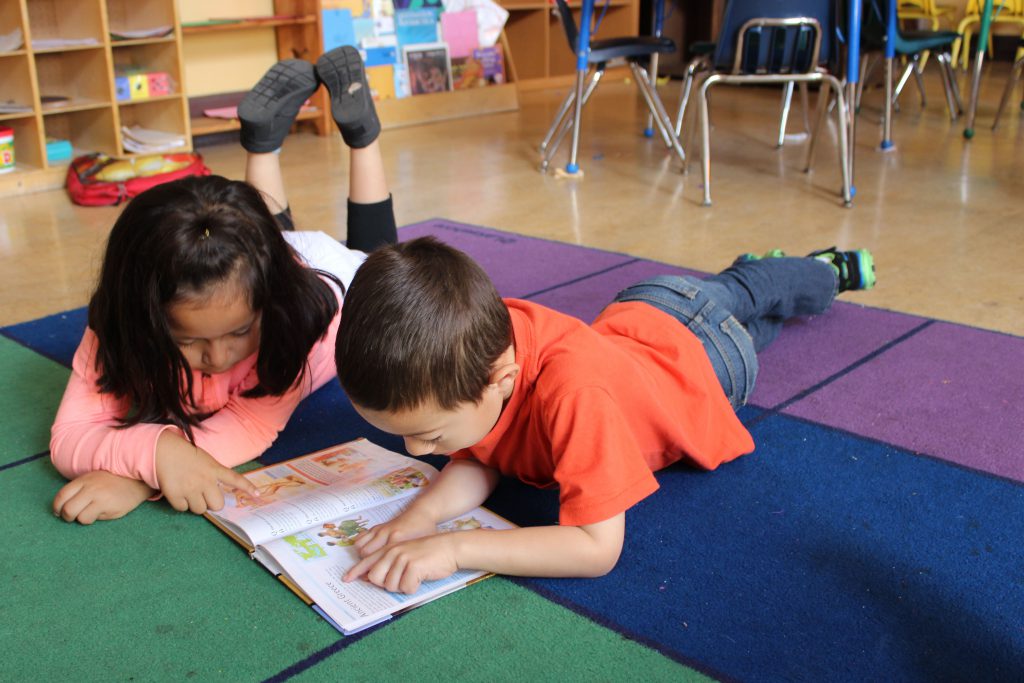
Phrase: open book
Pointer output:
(303, 524)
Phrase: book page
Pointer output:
(304, 492)
(317, 559)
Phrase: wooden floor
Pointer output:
(944, 217)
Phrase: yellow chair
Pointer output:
(1003, 12)
(924, 10)
(927, 10)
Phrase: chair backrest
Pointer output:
(873, 32)
(568, 23)
(775, 47)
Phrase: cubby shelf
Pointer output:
(538, 44)
(91, 117)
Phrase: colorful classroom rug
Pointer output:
(877, 533)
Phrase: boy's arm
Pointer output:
(462, 486)
(554, 551)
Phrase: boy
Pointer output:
(429, 351)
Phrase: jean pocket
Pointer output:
(744, 360)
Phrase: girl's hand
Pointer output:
(405, 527)
(404, 566)
(99, 496)
(190, 478)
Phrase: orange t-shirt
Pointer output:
(597, 409)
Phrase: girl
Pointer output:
(209, 324)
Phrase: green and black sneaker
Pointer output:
(771, 253)
(856, 269)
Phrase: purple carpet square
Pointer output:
(586, 298)
(518, 265)
(950, 391)
(809, 350)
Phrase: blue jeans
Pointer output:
(741, 310)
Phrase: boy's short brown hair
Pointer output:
(421, 321)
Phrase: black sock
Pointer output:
(284, 219)
(371, 225)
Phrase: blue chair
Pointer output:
(777, 41)
(633, 49)
(913, 45)
(702, 52)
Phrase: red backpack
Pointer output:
(98, 180)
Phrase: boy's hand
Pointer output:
(99, 496)
(405, 527)
(190, 478)
(401, 568)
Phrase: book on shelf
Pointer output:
(11, 41)
(14, 107)
(148, 141)
(303, 525)
(141, 33)
(484, 67)
(429, 67)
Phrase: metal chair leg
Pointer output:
(867, 64)
(787, 99)
(819, 119)
(918, 65)
(887, 111)
(844, 149)
(1011, 83)
(948, 76)
(805, 106)
(692, 68)
(653, 72)
(567, 121)
(657, 110)
(705, 136)
(562, 111)
(899, 86)
(666, 135)
(953, 85)
(972, 110)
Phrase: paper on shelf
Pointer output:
(490, 17)
(12, 107)
(133, 34)
(48, 43)
(9, 42)
(147, 140)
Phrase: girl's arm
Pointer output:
(86, 434)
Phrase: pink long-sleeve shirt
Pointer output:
(86, 434)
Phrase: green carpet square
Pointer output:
(33, 386)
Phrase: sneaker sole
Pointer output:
(866, 268)
(338, 70)
(279, 91)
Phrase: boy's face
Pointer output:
(430, 430)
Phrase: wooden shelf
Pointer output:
(247, 24)
(131, 42)
(540, 48)
(67, 48)
(148, 100)
(417, 109)
(205, 125)
(91, 119)
(75, 105)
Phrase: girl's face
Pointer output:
(215, 330)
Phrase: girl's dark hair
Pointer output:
(172, 242)
(422, 322)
